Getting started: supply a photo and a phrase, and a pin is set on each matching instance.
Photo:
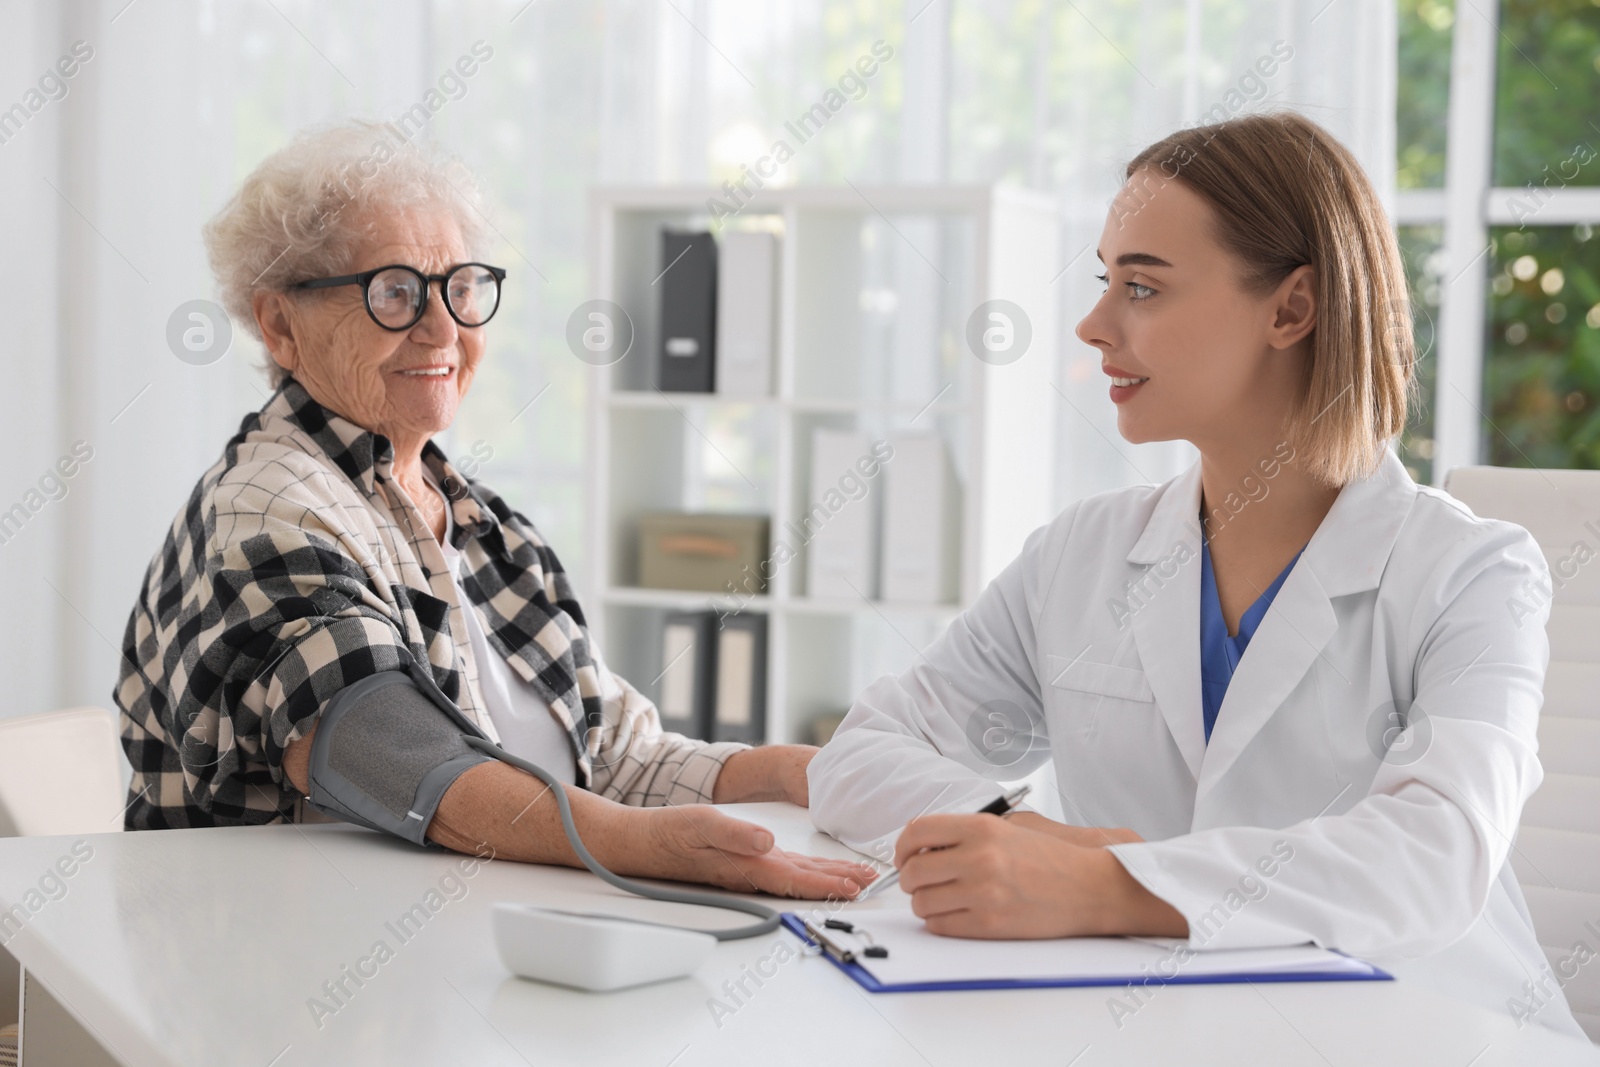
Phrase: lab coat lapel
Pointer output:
(1290, 638)
(1166, 617)
(1346, 555)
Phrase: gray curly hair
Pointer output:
(306, 208)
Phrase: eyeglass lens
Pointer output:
(398, 296)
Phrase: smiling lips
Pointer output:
(1123, 384)
(1121, 377)
(428, 372)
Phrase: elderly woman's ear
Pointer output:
(274, 314)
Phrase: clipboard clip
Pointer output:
(826, 945)
(822, 944)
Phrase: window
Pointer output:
(1498, 164)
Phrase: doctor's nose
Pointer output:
(1094, 329)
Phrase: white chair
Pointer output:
(1557, 856)
(60, 773)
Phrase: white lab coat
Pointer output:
(1311, 815)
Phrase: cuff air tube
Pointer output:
(387, 748)
(769, 917)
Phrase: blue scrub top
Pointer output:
(1219, 653)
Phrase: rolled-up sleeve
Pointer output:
(638, 763)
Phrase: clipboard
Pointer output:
(862, 976)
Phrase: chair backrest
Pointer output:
(1557, 855)
(60, 773)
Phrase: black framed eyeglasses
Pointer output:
(397, 295)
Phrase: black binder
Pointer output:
(688, 672)
(687, 357)
(741, 691)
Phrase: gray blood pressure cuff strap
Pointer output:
(385, 751)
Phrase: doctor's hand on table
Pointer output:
(494, 809)
(1025, 877)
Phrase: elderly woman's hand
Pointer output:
(697, 843)
(495, 809)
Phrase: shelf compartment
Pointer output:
(877, 284)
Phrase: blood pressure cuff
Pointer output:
(385, 751)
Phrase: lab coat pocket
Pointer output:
(1082, 690)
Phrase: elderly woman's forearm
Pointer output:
(496, 806)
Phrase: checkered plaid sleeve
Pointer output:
(638, 763)
(301, 621)
(273, 611)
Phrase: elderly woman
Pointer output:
(333, 542)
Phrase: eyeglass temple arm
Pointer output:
(329, 283)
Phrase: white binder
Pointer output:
(688, 656)
(747, 313)
(842, 550)
(921, 515)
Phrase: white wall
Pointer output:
(139, 152)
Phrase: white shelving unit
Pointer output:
(877, 284)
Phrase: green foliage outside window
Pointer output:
(1542, 376)
(1547, 85)
(1423, 92)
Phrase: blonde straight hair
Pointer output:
(1287, 194)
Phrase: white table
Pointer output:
(203, 947)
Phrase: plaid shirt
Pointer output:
(300, 566)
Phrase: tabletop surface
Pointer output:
(216, 948)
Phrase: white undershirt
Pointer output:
(527, 726)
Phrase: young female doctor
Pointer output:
(1285, 694)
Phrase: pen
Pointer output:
(1001, 806)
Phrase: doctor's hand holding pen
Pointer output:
(1025, 877)
(1087, 836)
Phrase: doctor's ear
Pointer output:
(1294, 307)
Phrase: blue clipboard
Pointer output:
(796, 925)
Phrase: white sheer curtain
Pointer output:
(105, 189)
